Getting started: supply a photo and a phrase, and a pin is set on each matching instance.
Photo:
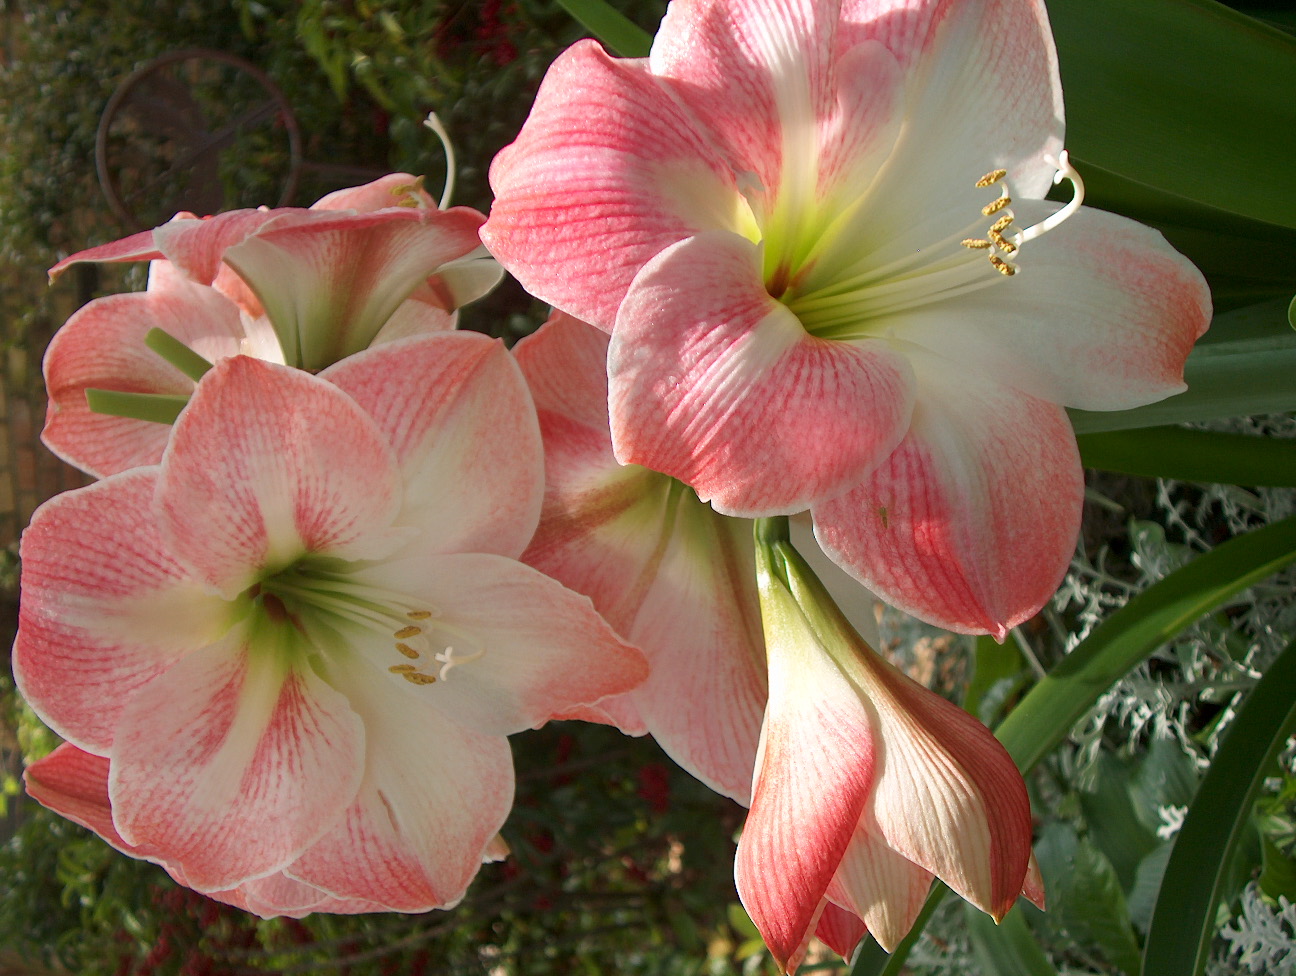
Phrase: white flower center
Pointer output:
(325, 601)
(852, 304)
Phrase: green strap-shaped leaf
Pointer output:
(1193, 455)
(1047, 714)
(1151, 619)
(1155, 88)
(619, 34)
(1183, 921)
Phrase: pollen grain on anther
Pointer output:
(976, 243)
(419, 614)
(992, 177)
(402, 669)
(419, 678)
(997, 205)
(1002, 224)
(407, 650)
(407, 632)
(1002, 266)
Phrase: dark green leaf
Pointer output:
(618, 34)
(997, 666)
(1093, 908)
(1167, 93)
(1183, 922)
(1113, 823)
(1203, 456)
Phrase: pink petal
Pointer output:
(105, 608)
(840, 929)
(414, 318)
(665, 571)
(971, 522)
(948, 797)
(715, 383)
(267, 463)
(427, 814)
(814, 772)
(137, 247)
(392, 190)
(609, 169)
(277, 894)
(74, 784)
(455, 408)
(330, 283)
(1101, 315)
(881, 886)
(197, 247)
(230, 766)
(102, 346)
(543, 648)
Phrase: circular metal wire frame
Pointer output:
(159, 103)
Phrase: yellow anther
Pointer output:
(1002, 266)
(1005, 245)
(992, 177)
(407, 651)
(1001, 225)
(407, 632)
(419, 678)
(419, 614)
(992, 208)
(976, 243)
(402, 669)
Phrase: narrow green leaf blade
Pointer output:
(1183, 921)
(1150, 619)
(618, 33)
(1203, 456)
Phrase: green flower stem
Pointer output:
(159, 408)
(177, 354)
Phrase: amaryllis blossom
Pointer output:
(667, 572)
(306, 287)
(867, 785)
(286, 659)
(816, 232)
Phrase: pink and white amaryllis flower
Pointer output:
(867, 785)
(816, 232)
(293, 650)
(306, 287)
(667, 572)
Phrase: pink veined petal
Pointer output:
(267, 463)
(1033, 886)
(102, 346)
(329, 284)
(137, 247)
(456, 410)
(880, 886)
(981, 91)
(197, 247)
(814, 772)
(1101, 315)
(760, 74)
(427, 814)
(971, 522)
(277, 894)
(525, 648)
(609, 169)
(715, 383)
(667, 573)
(948, 797)
(463, 280)
(105, 607)
(74, 784)
(392, 190)
(840, 930)
(231, 764)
